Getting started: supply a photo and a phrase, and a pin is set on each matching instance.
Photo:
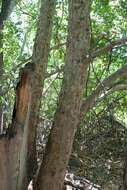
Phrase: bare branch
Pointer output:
(57, 46)
(106, 85)
(87, 184)
(119, 87)
(69, 183)
(108, 47)
(56, 71)
(100, 51)
(95, 54)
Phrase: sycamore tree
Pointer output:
(80, 52)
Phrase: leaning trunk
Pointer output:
(58, 149)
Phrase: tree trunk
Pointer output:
(1, 79)
(18, 147)
(1, 69)
(124, 185)
(40, 61)
(58, 149)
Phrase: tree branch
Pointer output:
(56, 71)
(100, 51)
(108, 47)
(94, 54)
(69, 183)
(106, 85)
(111, 91)
(85, 185)
(58, 46)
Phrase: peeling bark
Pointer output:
(20, 121)
(12, 142)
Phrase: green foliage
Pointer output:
(108, 23)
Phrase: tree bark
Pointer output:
(1, 67)
(40, 61)
(124, 184)
(1, 77)
(58, 149)
(17, 146)
(37, 68)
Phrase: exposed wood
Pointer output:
(20, 121)
(40, 61)
(35, 78)
(3, 164)
(20, 138)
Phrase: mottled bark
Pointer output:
(58, 149)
